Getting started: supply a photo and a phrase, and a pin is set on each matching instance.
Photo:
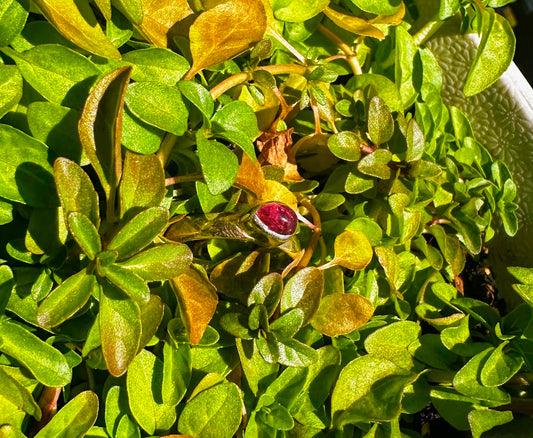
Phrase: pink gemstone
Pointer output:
(276, 218)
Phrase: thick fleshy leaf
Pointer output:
(75, 20)
(138, 136)
(10, 86)
(12, 20)
(198, 301)
(74, 419)
(502, 364)
(259, 373)
(380, 121)
(85, 234)
(215, 412)
(199, 96)
(116, 406)
(494, 54)
(384, 7)
(158, 105)
(145, 382)
(127, 281)
(19, 395)
(152, 313)
(482, 420)
(66, 299)
(58, 73)
(142, 184)
(120, 328)
(415, 142)
(304, 291)
(219, 165)
(139, 232)
(293, 12)
(267, 291)
(352, 250)
(376, 164)
(156, 64)
(159, 17)
(75, 189)
(100, 129)
(45, 362)
(26, 170)
(353, 24)
(132, 9)
(345, 145)
(160, 262)
(405, 52)
(369, 389)
(340, 314)
(177, 370)
(224, 31)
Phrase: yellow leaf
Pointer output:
(250, 176)
(352, 250)
(198, 301)
(159, 16)
(390, 20)
(75, 20)
(275, 191)
(340, 314)
(353, 24)
(224, 31)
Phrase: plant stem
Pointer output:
(183, 178)
(274, 33)
(351, 55)
(427, 32)
(168, 143)
(239, 78)
(317, 232)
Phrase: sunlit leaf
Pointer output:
(352, 250)
(198, 300)
(75, 20)
(353, 24)
(292, 11)
(10, 86)
(340, 314)
(224, 31)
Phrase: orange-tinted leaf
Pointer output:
(75, 20)
(159, 17)
(340, 314)
(224, 31)
(198, 301)
(275, 191)
(353, 24)
(250, 176)
(274, 148)
(100, 128)
(352, 250)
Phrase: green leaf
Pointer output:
(523, 275)
(392, 342)
(368, 389)
(199, 96)
(405, 52)
(100, 127)
(116, 407)
(120, 328)
(380, 121)
(19, 395)
(237, 116)
(352, 250)
(158, 105)
(144, 382)
(45, 362)
(132, 9)
(340, 314)
(240, 139)
(142, 184)
(6, 286)
(6, 212)
(503, 363)
(152, 313)
(482, 420)
(10, 84)
(128, 282)
(286, 388)
(215, 412)
(85, 234)
(494, 53)
(139, 232)
(385, 88)
(9, 431)
(453, 407)
(293, 353)
(385, 7)
(74, 419)
(304, 291)
(267, 291)
(138, 136)
(293, 12)
(219, 165)
(156, 64)
(415, 142)
(376, 164)
(450, 248)
(345, 145)
(26, 170)
(177, 370)
(390, 263)
(66, 299)
(467, 381)
(13, 17)
(58, 73)
(76, 191)
(160, 262)
(448, 8)
(259, 373)
(288, 324)
(76, 21)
